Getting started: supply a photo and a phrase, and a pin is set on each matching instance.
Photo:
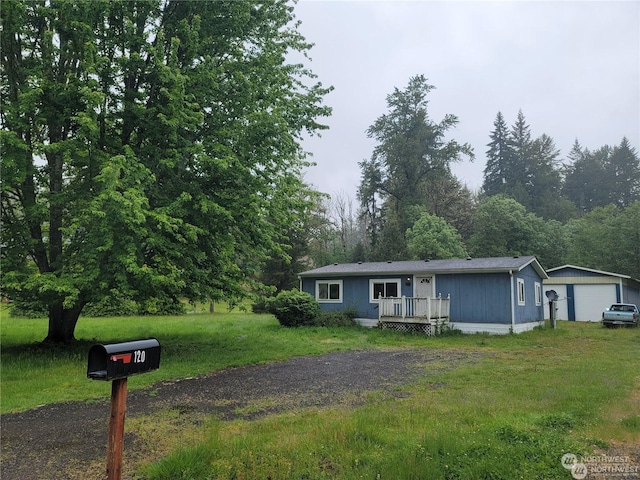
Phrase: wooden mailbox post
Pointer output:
(116, 362)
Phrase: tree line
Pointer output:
(584, 210)
(530, 171)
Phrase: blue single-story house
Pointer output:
(495, 295)
(584, 293)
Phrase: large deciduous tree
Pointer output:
(503, 227)
(607, 238)
(151, 149)
(433, 238)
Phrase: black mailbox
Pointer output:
(120, 360)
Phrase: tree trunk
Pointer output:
(62, 324)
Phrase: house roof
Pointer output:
(456, 265)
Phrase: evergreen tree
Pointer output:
(498, 170)
(371, 197)
(519, 178)
(623, 168)
(571, 185)
(410, 150)
(447, 198)
(583, 183)
(525, 169)
(603, 176)
(544, 186)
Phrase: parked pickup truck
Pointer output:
(621, 314)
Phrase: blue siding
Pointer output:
(355, 293)
(477, 298)
(571, 303)
(631, 294)
(530, 312)
(486, 298)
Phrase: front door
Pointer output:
(423, 289)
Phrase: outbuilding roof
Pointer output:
(584, 269)
(403, 267)
(558, 271)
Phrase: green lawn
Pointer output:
(513, 414)
(191, 345)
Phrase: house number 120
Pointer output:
(139, 356)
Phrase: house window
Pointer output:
(520, 291)
(384, 288)
(329, 291)
(538, 294)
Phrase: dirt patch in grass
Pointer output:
(67, 441)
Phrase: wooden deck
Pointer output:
(413, 314)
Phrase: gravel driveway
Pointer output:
(67, 441)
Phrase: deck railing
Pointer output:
(414, 307)
(414, 314)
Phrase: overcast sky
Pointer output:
(573, 67)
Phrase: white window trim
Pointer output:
(372, 281)
(538, 294)
(521, 298)
(328, 300)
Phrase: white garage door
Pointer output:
(561, 304)
(591, 300)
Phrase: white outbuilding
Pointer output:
(584, 293)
